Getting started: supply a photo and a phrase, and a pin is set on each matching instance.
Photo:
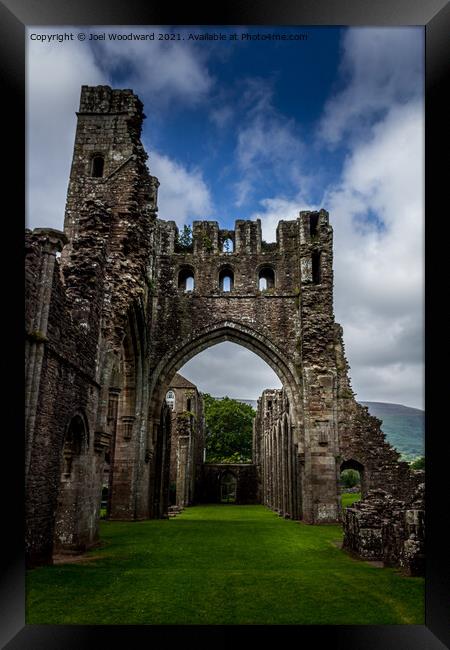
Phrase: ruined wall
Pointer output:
(108, 128)
(187, 440)
(289, 323)
(384, 528)
(276, 455)
(83, 310)
(110, 323)
(60, 384)
(210, 483)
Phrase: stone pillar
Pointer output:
(50, 242)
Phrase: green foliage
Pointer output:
(404, 427)
(350, 478)
(187, 415)
(418, 463)
(184, 239)
(348, 498)
(221, 565)
(207, 243)
(229, 428)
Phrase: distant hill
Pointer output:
(404, 426)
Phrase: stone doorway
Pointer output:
(228, 485)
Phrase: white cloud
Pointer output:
(161, 72)
(276, 209)
(376, 210)
(183, 194)
(268, 144)
(379, 267)
(158, 72)
(55, 74)
(380, 67)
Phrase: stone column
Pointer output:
(51, 241)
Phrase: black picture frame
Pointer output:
(434, 16)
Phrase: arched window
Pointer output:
(352, 481)
(226, 280)
(97, 165)
(228, 486)
(68, 516)
(266, 278)
(186, 280)
(170, 399)
(228, 245)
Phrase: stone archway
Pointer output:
(210, 336)
(351, 463)
(71, 517)
(228, 486)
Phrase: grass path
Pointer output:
(222, 565)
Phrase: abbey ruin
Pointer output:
(116, 305)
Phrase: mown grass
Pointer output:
(223, 564)
(348, 498)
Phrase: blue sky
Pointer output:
(264, 129)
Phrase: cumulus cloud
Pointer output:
(183, 193)
(276, 209)
(55, 74)
(159, 72)
(379, 263)
(376, 210)
(268, 143)
(379, 67)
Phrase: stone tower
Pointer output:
(112, 320)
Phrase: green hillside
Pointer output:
(404, 427)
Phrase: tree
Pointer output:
(229, 429)
(418, 463)
(184, 239)
(350, 478)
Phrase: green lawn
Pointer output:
(222, 564)
(348, 498)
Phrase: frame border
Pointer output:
(434, 16)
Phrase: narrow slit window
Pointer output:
(313, 223)
(98, 163)
(316, 274)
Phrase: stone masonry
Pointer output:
(187, 439)
(115, 305)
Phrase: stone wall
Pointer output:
(383, 528)
(60, 387)
(276, 455)
(210, 481)
(187, 440)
